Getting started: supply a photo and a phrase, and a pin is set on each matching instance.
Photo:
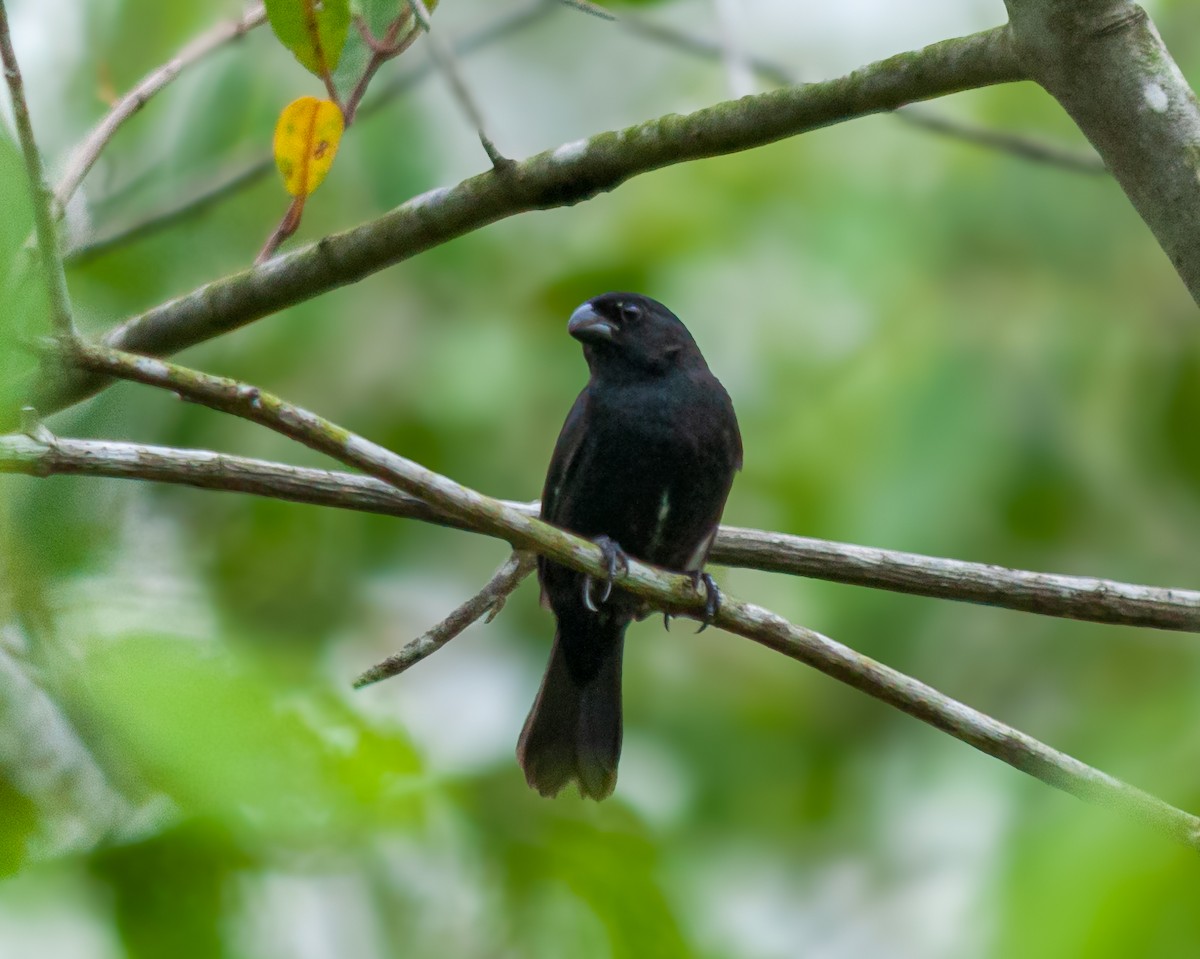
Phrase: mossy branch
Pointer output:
(667, 591)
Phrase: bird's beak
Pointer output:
(588, 326)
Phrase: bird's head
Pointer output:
(628, 335)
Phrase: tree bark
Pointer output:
(1105, 63)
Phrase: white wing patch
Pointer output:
(696, 560)
(660, 521)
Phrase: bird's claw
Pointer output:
(614, 559)
(712, 598)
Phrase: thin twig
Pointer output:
(1070, 597)
(245, 174)
(39, 187)
(286, 227)
(586, 7)
(661, 33)
(667, 591)
(1026, 148)
(85, 155)
(390, 47)
(487, 602)
(443, 57)
(201, 197)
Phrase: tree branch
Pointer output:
(569, 174)
(488, 601)
(85, 155)
(667, 591)
(1105, 63)
(1068, 597)
(39, 188)
(202, 195)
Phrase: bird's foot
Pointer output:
(712, 598)
(712, 601)
(614, 559)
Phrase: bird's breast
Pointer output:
(654, 473)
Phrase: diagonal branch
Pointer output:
(668, 591)
(443, 58)
(1069, 597)
(1027, 148)
(569, 174)
(487, 602)
(88, 151)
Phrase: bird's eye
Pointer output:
(630, 312)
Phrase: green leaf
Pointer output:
(314, 30)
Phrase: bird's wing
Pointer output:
(565, 459)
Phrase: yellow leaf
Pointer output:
(306, 141)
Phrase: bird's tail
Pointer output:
(574, 728)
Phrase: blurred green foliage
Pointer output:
(931, 347)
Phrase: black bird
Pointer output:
(643, 465)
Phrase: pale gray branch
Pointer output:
(88, 152)
(1106, 65)
(1069, 597)
(667, 591)
(487, 602)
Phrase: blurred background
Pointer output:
(932, 347)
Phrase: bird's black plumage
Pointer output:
(646, 458)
